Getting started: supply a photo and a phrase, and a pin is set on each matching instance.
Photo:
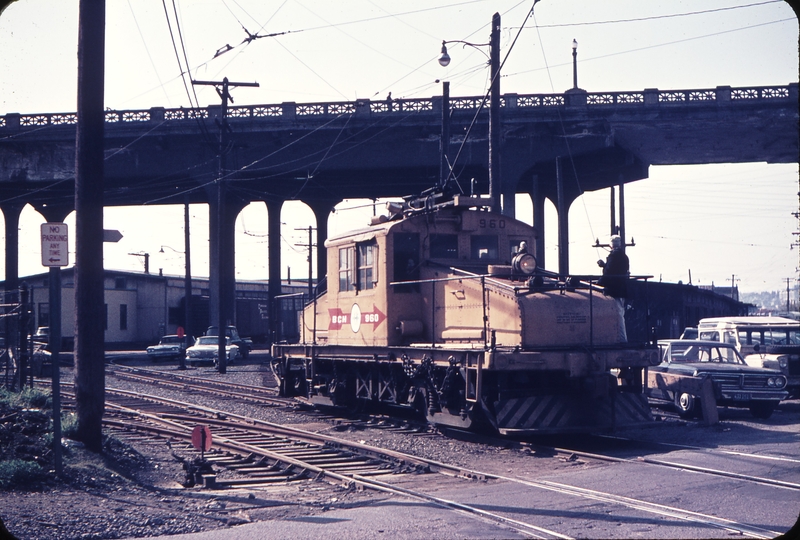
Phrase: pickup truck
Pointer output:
(245, 344)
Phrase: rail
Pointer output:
(291, 111)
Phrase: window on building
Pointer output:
(44, 314)
(120, 283)
(367, 275)
(483, 246)
(123, 316)
(444, 246)
(346, 269)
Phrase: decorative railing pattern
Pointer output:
(291, 110)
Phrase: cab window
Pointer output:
(444, 246)
(367, 276)
(483, 246)
(406, 261)
(346, 269)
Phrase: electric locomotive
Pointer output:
(439, 307)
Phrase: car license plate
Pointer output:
(741, 397)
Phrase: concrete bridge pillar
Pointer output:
(222, 268)
(562, 204)
(11, 213)
(537, 199)
(53, 213)
(322, 210)
(274, 266)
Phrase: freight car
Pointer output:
(439, 307)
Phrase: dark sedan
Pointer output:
(169, 348)
(735, 383)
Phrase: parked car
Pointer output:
(206, 348)
(245, 344)
(735, 383)
(41, 361)
(42, 335)
(169, 348)
(690, 332)
(769, 342)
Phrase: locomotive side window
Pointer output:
(367, 276)
(406, 261)
(444, 246)
(483, 246)
(347, 280)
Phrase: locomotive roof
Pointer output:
(381, 224)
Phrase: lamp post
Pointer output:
(575, 64)
(187, 296)
(495, 183)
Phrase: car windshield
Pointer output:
(704, 353)
(171, 340)
(210, 340)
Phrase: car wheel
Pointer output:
(762, 409)
(686, 404)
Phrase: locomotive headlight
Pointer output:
(524, 263)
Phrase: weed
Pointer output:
(28, 398)
(19, 473)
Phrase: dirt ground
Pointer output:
(130, 490)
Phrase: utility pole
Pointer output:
(444, 144)
(222, 88)
(733, 286)
(89, 301)
(310, 247)
(187, 282)
(146, 257)
(495, 181)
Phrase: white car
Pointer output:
(206, 348)
(768, 342)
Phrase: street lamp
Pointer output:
(495, 182)
(575, 64)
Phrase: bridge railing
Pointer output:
(293, 111)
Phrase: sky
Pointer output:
(711, 224)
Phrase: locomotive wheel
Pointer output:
(686, 405)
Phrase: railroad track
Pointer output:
(263, 454)
(262, 395)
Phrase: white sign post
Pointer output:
(55, 248)
(55, 254)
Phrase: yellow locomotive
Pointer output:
(439, 307)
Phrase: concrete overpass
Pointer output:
(553, 146)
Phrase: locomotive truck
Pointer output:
(439, 307)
